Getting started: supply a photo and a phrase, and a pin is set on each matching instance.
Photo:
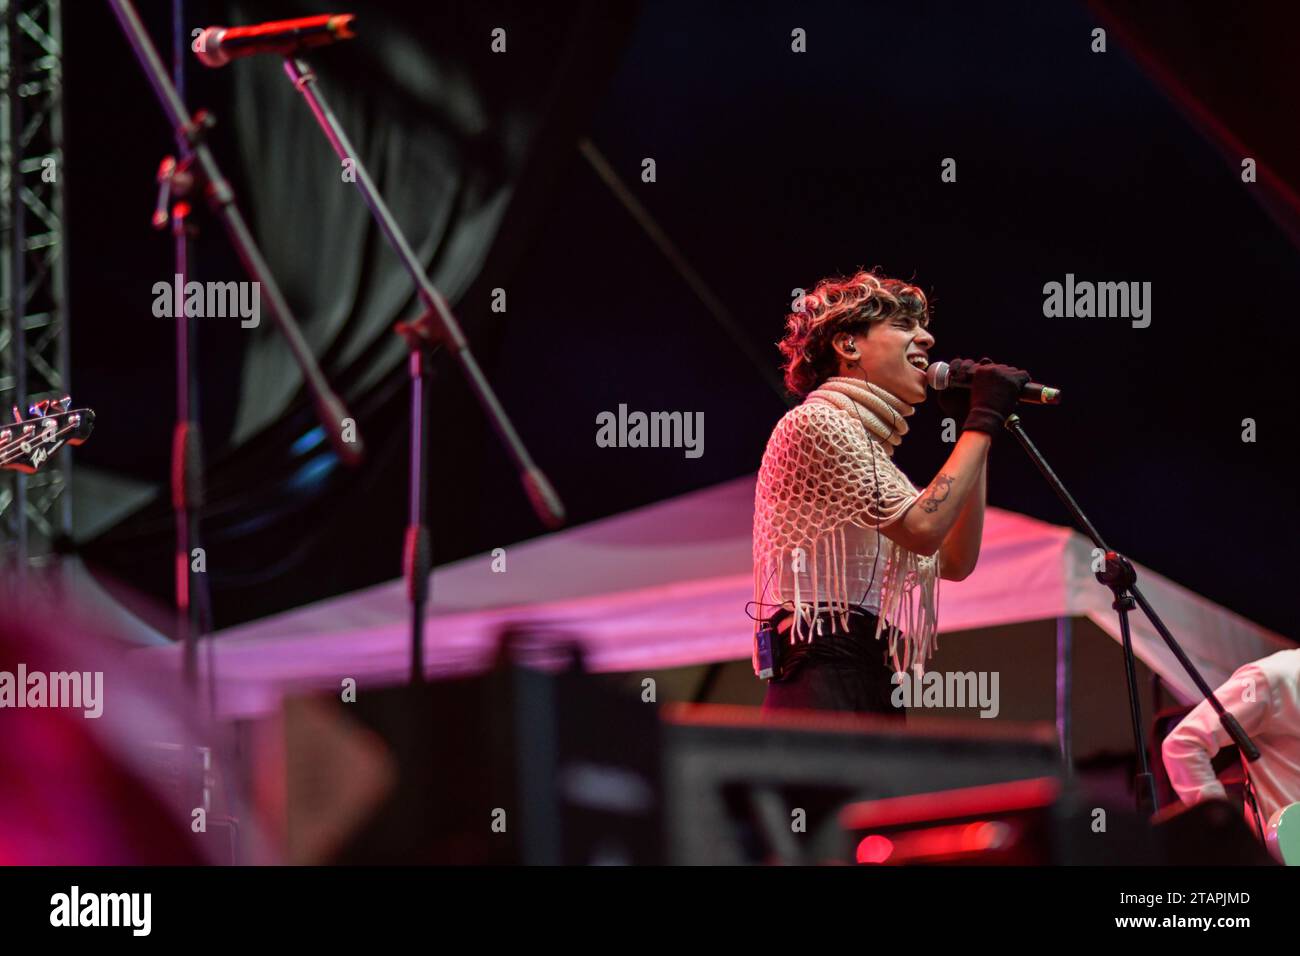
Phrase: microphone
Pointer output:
(939, 376)
(217, 46)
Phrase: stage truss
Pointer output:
(34, 510)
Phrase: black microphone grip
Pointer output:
(939, 377)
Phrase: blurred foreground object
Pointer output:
(104, 763)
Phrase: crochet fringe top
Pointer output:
(828, 463)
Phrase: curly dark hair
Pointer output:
(845, 304)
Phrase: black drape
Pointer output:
(463, 142)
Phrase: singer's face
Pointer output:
(887, 349)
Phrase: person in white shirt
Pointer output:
(1264, 696)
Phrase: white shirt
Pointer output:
(1264, 696)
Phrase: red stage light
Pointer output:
(875, 849)
(950, 843)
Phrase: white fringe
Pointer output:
(909, 596)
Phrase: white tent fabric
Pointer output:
(666, 585)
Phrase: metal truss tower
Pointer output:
(35, 509)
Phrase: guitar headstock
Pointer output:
(28, 443)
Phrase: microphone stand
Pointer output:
(198, 171)
(1120, 576)
(436, 327)
(175, 186)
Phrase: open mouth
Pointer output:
(918, 362)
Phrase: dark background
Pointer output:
(774, 170)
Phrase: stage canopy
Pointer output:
(666, 586)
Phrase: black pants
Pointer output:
(840, 671)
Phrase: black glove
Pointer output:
(994, 392)
(955, 402)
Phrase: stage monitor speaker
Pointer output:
(516, 765)
(747, 787)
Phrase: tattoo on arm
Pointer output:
(937, 493)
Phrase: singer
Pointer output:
(846, 549)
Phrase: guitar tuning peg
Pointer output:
(63, 404)
(38, 409)
(18, 416)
